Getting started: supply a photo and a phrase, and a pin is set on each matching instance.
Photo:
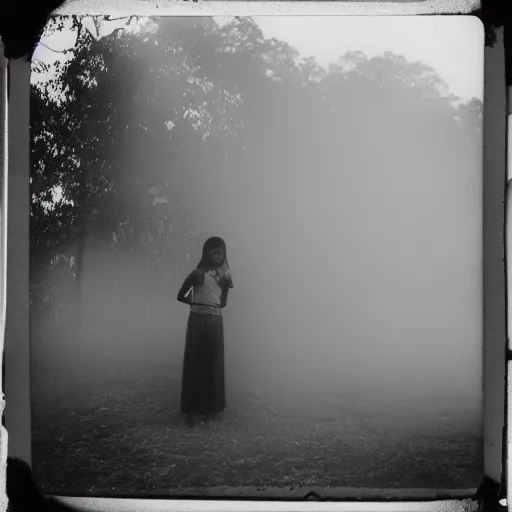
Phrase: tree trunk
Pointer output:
(80, 257)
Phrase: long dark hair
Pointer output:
(206, 262)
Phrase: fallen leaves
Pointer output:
(114, 442)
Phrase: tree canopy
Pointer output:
(133, 116)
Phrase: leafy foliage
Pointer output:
(120, 127)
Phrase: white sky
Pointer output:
(453, 45)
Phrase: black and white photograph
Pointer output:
(256, 255)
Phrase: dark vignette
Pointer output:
(20, 35)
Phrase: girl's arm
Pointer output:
(227, 280)
(226, 283)
(224, 297)
(192, 280)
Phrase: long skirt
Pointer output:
(203, 388)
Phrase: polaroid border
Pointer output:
(270, 7)
(18, 407)
(3, 257)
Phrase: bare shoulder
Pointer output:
(197, 276)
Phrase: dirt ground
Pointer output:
(120, 433)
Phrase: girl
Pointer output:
(206, 291)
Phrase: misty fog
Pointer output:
(350, 200)
(348, 277)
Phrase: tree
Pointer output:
(150, 108)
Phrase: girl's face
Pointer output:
(217, 255)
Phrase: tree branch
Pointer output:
(130, 18)
(53, 50)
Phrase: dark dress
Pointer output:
(203, 387)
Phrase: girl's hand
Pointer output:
(226, 282)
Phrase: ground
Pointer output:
(120, 433)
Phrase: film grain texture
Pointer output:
(335, 339)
